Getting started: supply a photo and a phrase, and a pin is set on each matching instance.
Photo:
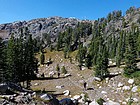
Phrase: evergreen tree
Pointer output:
(130, 56)
(11, 73)
(57, 68)
(63, 70)
(81, 55)
(60, 41)
(120, 49)
(88, 60)
(102, 64)
(42, 58)
(138, 44)
(2, 62)
(30, 60)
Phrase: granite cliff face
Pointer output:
(51, 26)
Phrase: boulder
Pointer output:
(66, 75)
(135, 100)
(107, 80)
(120, 84)
(116, 73)
(66, 92)
(111, 103)
(118, 89)
(82, 99)
(100, 87)
(134, 89)
(93, 103)
(107, 99)
(34, 94)
(36, 84)
(60, 87)
(131, 81)
(126, 88)
(46, 97)
(124, 103)
(97, 79)
(83, 68)
(76, 97)
(104, 92)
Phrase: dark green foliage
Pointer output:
(60, 41)
(130, 10)
(138, 43)
(130, 56)
(11, 73)
(63, 70)
(81, 55)
(57, 68)
(120, 48)
(100, 101)
(102, 64)
(42, 58)
(88, 61)
(65, 52)
(94, 48)
(138, 20)
(109, 17)
(30, 60)
(70, 39)
(2, 62)
(136, 33)
(115, 15)
(20, 60)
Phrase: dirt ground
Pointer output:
(74, 83)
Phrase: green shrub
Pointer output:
(100, 101)
(63, 70)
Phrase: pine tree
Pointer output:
(120, 49)
(63, 70)
(88, 60)
(11, 60)
(57, 68)
(130, 56)
(60, 41)
(81, 55)
(102, 61)
(30, 60)
(2, 62)
(42, 58)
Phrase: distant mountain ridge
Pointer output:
(54, 25)
(51, 26)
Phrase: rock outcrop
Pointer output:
(51, 26)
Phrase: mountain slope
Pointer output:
(54, 25)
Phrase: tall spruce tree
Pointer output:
(130, 56)
(2, 62)
(11, 60)
(20, 51)
(101, 68)
(120, 48)
(30, 60)
(81, 55)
